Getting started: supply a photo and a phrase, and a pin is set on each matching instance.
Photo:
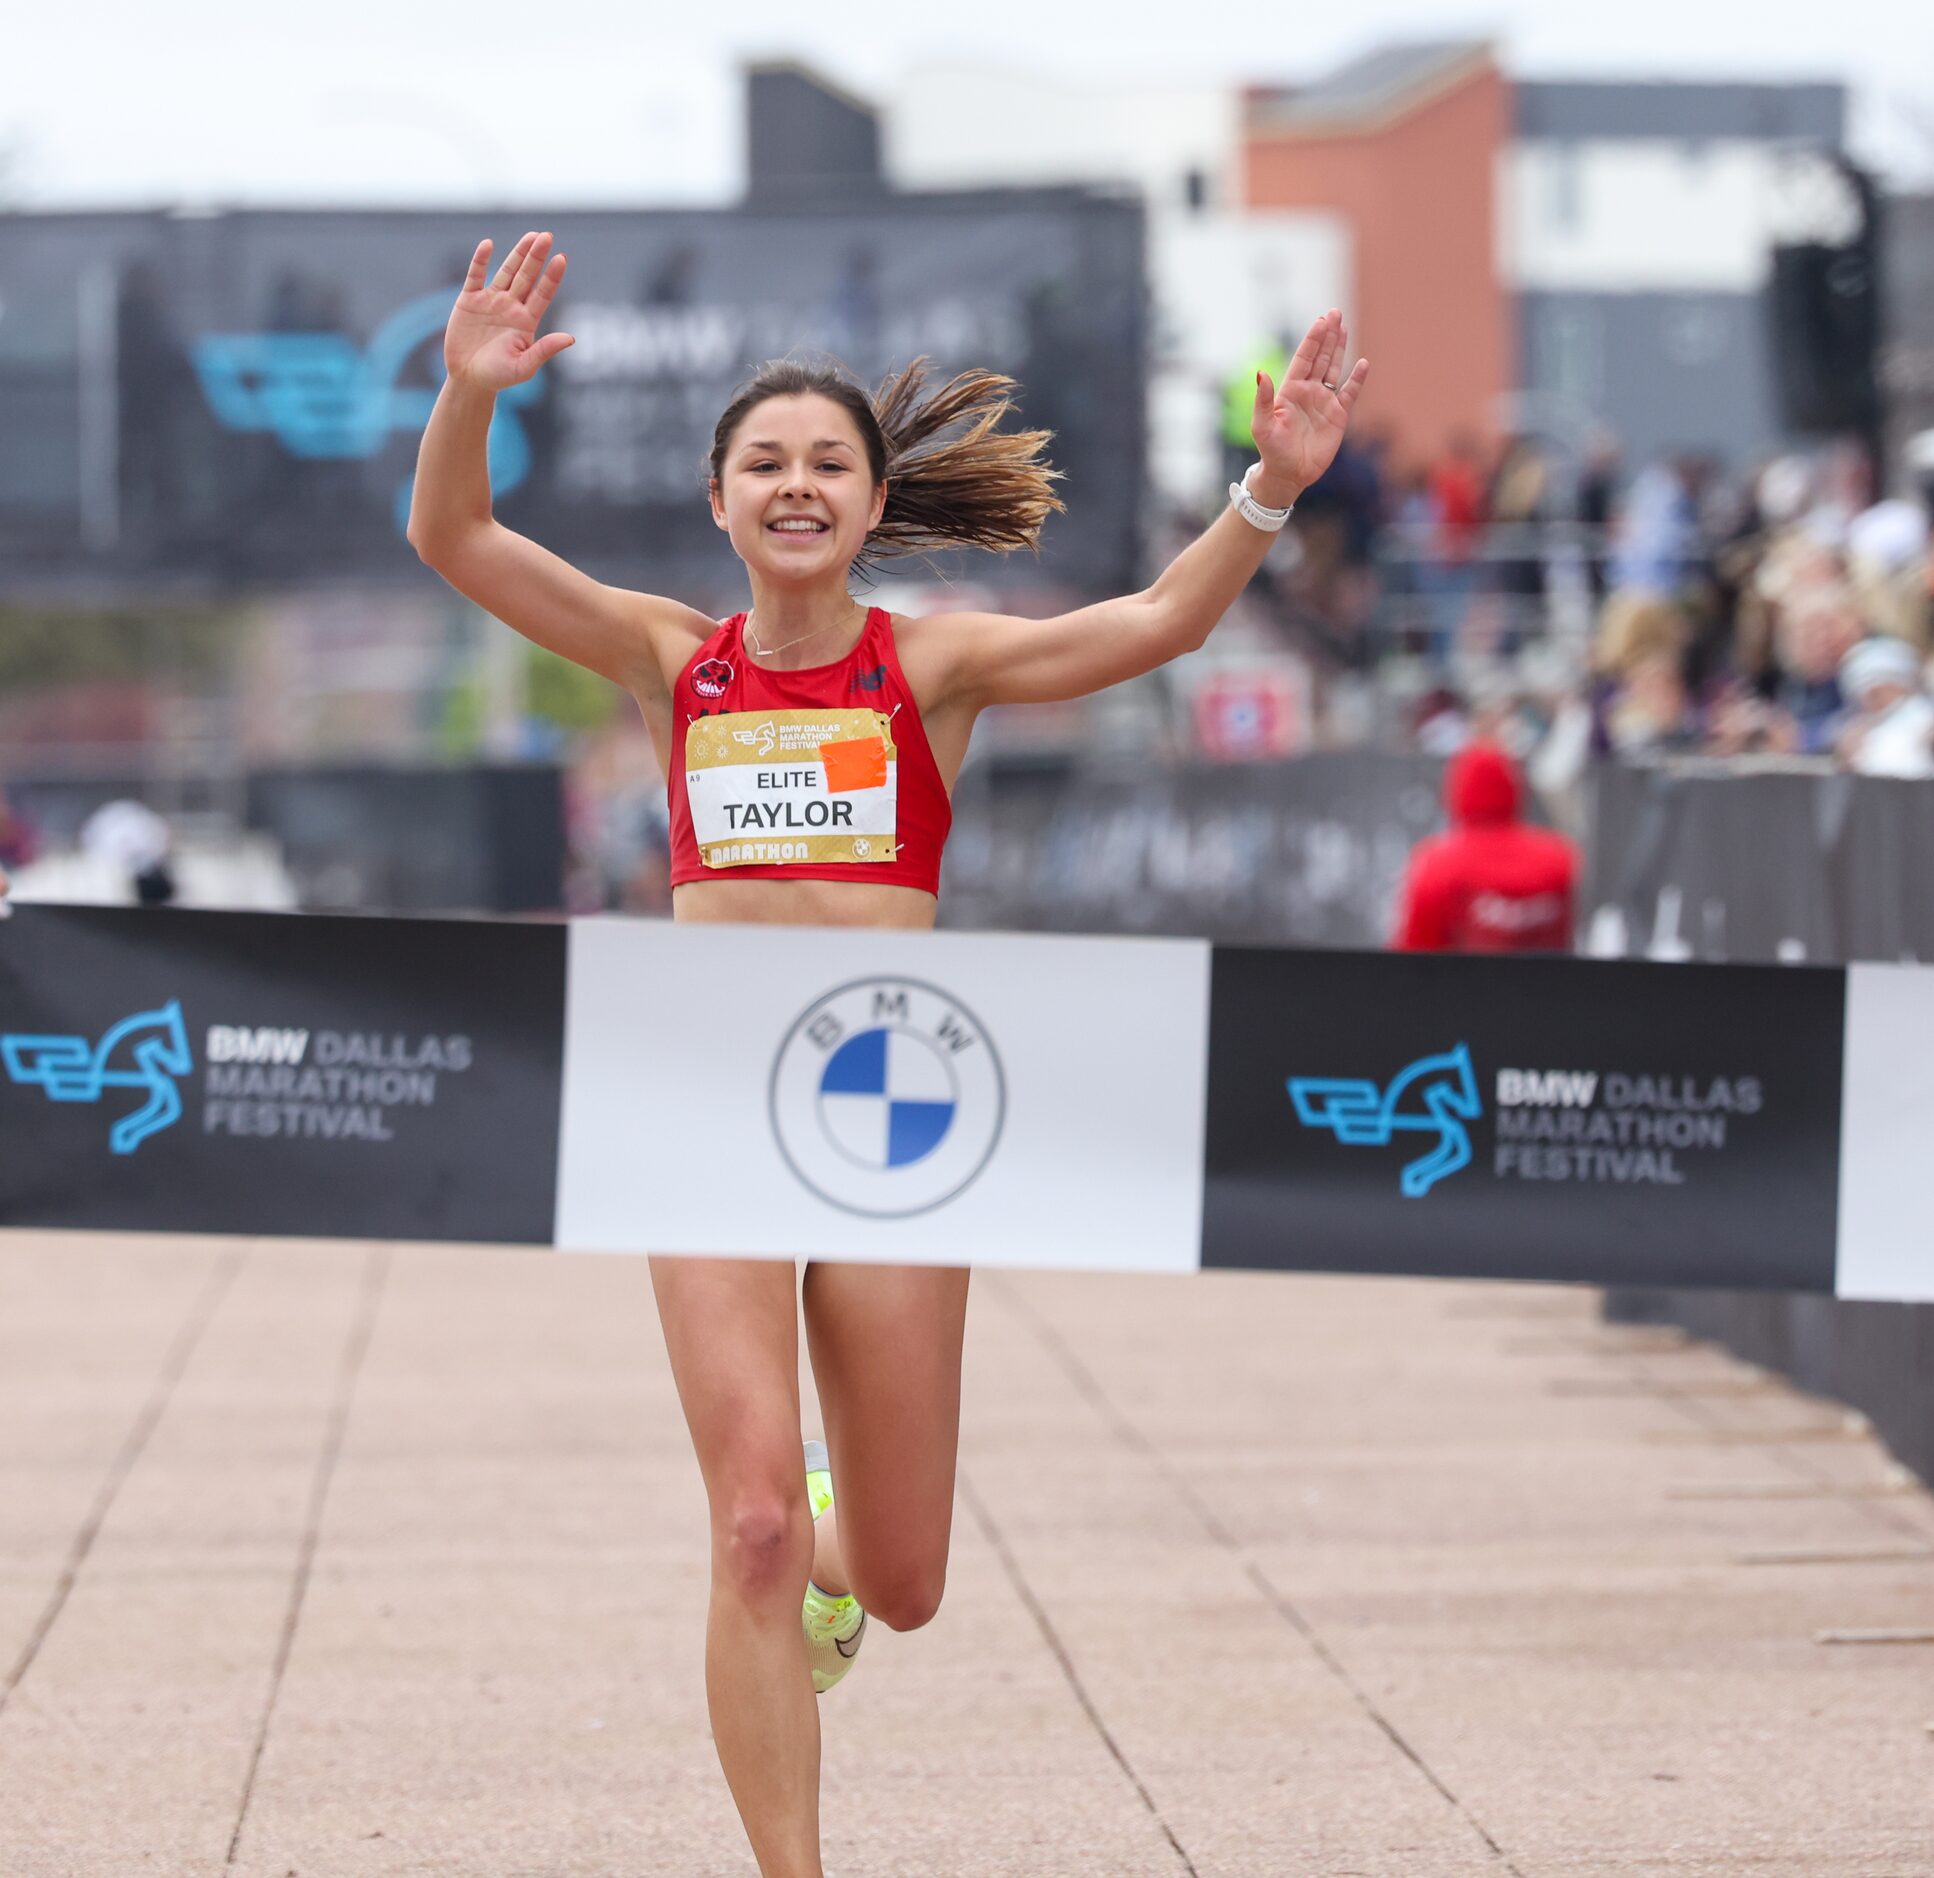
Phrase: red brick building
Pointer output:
(1406, 143)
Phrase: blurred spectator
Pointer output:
(1338, 519)
(1640, 703)
(1651, 712)
(1656, 543)
(1740, 722)
(1411, 532)
(1516, 504)
(130, 837)
(1597, 502)
(1636, 626)
(1456, 488)
(1490, 884)
(19, 841)
(1887, 561)
(1818, 626)
(1440, 725)
(1790, 565)
(1889, 729)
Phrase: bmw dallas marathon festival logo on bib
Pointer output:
(887, 1097)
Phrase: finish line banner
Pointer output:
(944, 1098)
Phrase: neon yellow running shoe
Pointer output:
(834, 1626)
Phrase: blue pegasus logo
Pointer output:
(1361, 1115)
(71, 1069)
(324, 397)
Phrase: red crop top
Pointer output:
(818, 774)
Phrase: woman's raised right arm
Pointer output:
(490, 344)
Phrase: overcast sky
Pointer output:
(587, 101)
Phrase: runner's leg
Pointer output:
(885, 1346)
(732, 1329)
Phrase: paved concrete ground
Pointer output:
(326, 1560)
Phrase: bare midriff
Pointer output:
(803, 903)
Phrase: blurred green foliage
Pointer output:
(554, 689)
(460, 722)
(567, 694)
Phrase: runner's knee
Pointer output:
(763, 1545)
(906, 1599)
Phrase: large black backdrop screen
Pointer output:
(1778, 867)
(200, 401)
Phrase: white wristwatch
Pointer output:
(1257, 514)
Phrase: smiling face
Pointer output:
(797, 495)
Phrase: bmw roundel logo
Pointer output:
(887, 1097)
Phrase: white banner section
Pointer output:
(1886, 1236)
(903, 1097)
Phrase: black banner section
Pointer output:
(219, 401)
(1680, 867)
(1524, 1118)
(276, 1074)
(1308, 852)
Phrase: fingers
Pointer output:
(539, 353)
(548, 283)
(473, 281)
(1331, 349)
(531, 269)
(512, 261)
(1303, 365)
(1265, 397)
(1347, 392)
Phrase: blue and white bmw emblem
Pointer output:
(887, 1097)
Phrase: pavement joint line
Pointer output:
(1865, 1498)
(1891, 1634)
(1792, 1490)
(1703, 1413)
(1563, 1310)
(1612, 1388)
(1131, 1437)
(1681, 1345)
(1018, 1579)
(134, 1444)
(1836, 1555)
(1807, 1434)
(376, 1265)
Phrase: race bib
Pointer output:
(768, 787)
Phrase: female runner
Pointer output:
(809, 476)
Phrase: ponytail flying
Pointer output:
(980, 487)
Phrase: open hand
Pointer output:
(1299, 424)
(491, 339)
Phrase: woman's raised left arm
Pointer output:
(1002, 659)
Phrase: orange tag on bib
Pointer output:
(858, 763)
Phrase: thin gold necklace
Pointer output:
(798, 639)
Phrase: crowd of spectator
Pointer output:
(1788, 615)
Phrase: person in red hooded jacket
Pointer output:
(1490, 883)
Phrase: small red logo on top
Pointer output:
(710, 679)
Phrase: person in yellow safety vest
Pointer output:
(1239, 395)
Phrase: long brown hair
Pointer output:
(981, 488)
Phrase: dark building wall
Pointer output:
(804, 133)
(1666, 371)
(1806, 113)
(1907, 318)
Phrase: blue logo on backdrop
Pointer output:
(71, 1069)
(1434, 1095)
(887, 1097)
(325, 397)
